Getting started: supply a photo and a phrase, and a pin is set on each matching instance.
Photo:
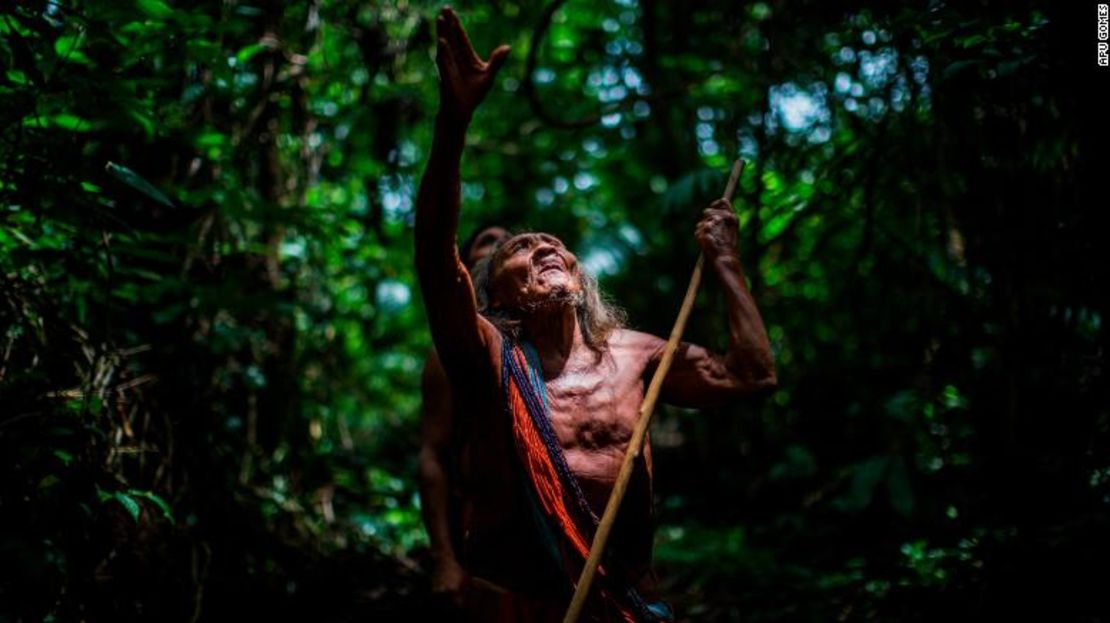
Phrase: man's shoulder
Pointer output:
(629, 341)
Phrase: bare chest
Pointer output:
(594, 404)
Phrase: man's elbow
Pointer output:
(762, 376)
(738, 389)
(757, 386)
(764, 386)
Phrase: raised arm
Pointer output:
(464, 80)
(698, 377)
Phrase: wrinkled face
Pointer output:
(484, 244)
(532, 270)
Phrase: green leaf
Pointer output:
(155, 8)
(16, 76)
(247, 53)
(168, 314)
(167, 512)
(21, 237)
(903, 405)
(952, 398)
(202, 49)
(136, 181)
(958, 67)
(64, 121)
(140, 27)
(866, 478)
(798, 463)
(210, 139)
(972, 41)
(67, 47)
(144, 121)
(128, 503)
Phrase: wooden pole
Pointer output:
(635, 445)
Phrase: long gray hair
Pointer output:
(597, 317)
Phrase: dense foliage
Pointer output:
(211, 336)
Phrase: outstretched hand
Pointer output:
(464, 78)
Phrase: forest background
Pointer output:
(211, 337)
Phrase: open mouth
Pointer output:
(550, 265)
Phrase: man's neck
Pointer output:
(555, 335)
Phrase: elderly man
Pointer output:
(551, 384)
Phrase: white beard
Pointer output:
(559, 298)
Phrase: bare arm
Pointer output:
(437, 474)
(698, 377)
(464, 78)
